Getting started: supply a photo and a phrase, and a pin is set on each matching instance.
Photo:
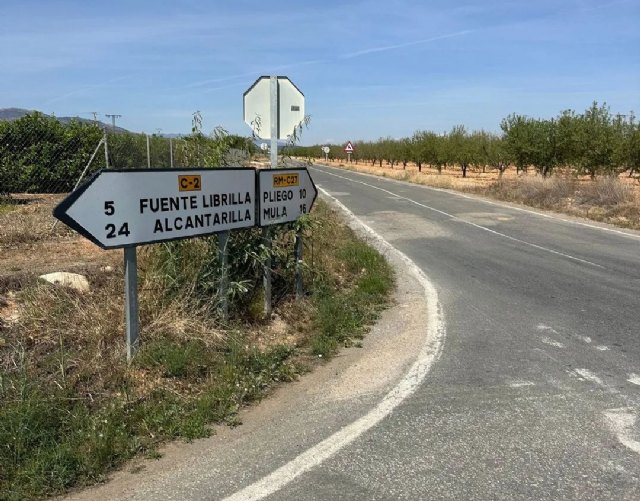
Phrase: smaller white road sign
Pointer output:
(284, 195)
(120, 208)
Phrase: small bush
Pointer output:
(536, 191)
(372, 279)
(188, 359)
(606, 191)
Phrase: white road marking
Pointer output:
(551, 342)
(542, 327)
(506, 206)
(634, 379)
(621, 423)
(478, 226)
(520, 384)
(601, 347)
(429, 353)
(589, 376)
(586, 339)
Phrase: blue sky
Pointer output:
(367, 68)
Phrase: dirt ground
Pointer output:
(31, 245)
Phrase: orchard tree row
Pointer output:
(592, 143)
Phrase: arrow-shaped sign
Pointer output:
(284, 195)
(121, 208)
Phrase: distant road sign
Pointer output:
(257, 105)
(121, 208)
(284, 195)
(326, 149)
(349, 147)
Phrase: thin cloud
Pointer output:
(351, 55)
(252, 73)
(385, 48)
(86, 88)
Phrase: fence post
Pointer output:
(106, 150)
(148, 153)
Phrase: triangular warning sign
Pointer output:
(349, 147)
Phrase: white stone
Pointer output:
(65, 279)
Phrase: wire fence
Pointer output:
(43, 159)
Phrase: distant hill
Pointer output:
(13, 113)
(9, 114)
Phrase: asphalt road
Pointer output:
(537, 390)
(532, 394)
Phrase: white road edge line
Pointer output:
(480, 227)
(497, 204)
(429, 353)
(621, 422)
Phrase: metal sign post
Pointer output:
(298, 254)
(131, 300)
(273, 120)
(273, 107)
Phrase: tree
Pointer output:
(543, 145)
(518, 142)
(39, 154)
(461, 149)
(493, 152)
(596, 141)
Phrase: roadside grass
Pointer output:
(6, 207)
(27, 218)
(606, 199)
(72, 409)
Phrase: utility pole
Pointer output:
(95, 116)
(113, 120)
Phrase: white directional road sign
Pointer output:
(121, 208)
(284, 195)
(257, 107)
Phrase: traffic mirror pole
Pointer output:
(266, 232)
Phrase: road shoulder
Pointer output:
(297, 416)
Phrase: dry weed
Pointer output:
(28, 218)
(605, 192)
